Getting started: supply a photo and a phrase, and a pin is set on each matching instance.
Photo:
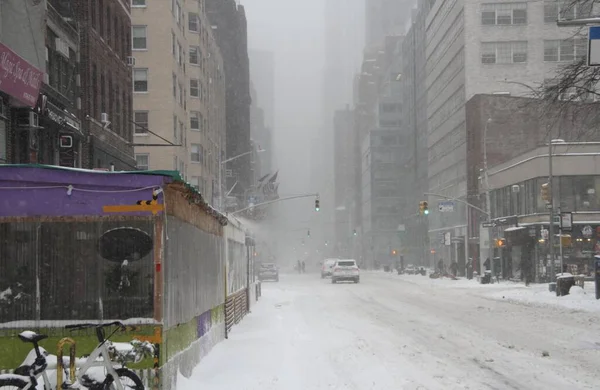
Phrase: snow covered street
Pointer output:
(401, 332)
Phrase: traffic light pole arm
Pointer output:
(457, 200)
(274, 201)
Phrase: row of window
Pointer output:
(515, 52)
(575, 193)
(506, 14)
(197, 155)
(111, 27)
(109, 96)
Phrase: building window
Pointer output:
(565, 50)
(193, 22)
(194, 55)
(195, 182)
(174, 127)
(174, 76)
(140, 127)
(139, 37)
(142, 161)
(173, 44)
(504, 13)
(177, 13)
(504, 52)
(195, 155)
(555, 10)
(195, 88)
(140, 80)
(138, 3)
(195, 120)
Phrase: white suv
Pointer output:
(345, 269)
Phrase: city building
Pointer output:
(344, 39)
(262, 74)
(262, 137)
(515, 132)
(384, 18)
(343, 177)
(106, 79)
(228, 21)
(472, 48)
(39, 92)
(520, 235)
(415, 246)
(179, 93)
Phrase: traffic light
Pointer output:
(317, 206)
(308, 233)
(394, 252)
(500, 242)
(354, 232)
(545, 192)
(423, 207)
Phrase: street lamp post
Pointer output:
(551, 225)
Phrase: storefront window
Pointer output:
(567, 198)
(2, 141)
(540, 203)
(584, 188)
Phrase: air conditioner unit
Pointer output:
(130, 61)
(26, 118)
(104, 117)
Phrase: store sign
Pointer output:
(18, 78)
(61, 117)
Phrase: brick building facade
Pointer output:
(106, 86)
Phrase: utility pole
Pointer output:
(488, 205)
(551, 205)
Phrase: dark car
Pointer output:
(268, 271)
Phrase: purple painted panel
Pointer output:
(31, 191)
(204, 323)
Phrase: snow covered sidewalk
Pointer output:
(517, 293)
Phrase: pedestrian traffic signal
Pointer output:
(394, 252)
(545, 192)
(423, 207)
(500, 242)
(317, 206)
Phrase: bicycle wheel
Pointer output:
(128, 378)
(12, 383)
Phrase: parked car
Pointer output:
(410, 270)
(268, 271)
(327, 268)
(345, 269)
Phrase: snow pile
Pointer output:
(538, 295)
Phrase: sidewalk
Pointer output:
(513, 292)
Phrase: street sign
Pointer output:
(593, 54)
(446, 206)
(447, 238)
(488, 224)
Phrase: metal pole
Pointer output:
(467, 243)
(560, 239)
(551, 227)
(487, 196)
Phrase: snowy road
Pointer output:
(390, 333)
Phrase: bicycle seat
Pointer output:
(29, 336)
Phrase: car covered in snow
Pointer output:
(268, 271)
(327, 268)
(345, 270)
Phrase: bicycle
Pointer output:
(26, 376)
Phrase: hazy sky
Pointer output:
(293, 30)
